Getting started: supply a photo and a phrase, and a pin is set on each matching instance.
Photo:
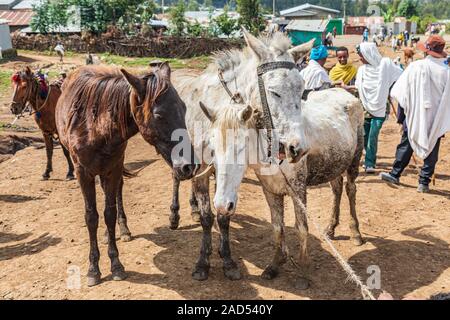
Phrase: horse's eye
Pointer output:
(158, 116)
(275, 94)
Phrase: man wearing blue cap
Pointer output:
(314, 74)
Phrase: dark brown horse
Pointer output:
(28, 89)
(99, 110)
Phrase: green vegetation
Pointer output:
(199, 63)
(5, 81)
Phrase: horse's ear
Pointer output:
(246, 114)
(134, 81)
(28, 71)
(208, 113)
(165, 70)
(302, 50)
(256, 46)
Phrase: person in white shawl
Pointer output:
(373, 82)
(423, 92)
(315, 75)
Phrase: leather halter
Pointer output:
(267, 115)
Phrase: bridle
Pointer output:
(266, 121)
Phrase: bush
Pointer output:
(9, 53)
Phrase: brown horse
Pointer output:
(99, 110)
(28, 89)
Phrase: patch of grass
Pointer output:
(49, 53)
(193, 63)
(5, 81)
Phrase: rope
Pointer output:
(351, 274)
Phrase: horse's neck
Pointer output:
(35, 100)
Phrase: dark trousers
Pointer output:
(403, 157)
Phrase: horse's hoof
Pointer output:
(330, 234)
(200, 273)
(70, 177)
(174, 225)
(45, 177)
(232, 273)
(302, 284)
(358, 241)
(196, 217)
(125, 237)
(93, 280)
(119, 275)
(269, 273)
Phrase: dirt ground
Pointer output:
(43, 237)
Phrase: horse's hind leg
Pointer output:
(195, 211)
(230, 268)
(201, 190)
(276, 203)
(337, 186)
(350, 188)
(70, 175)
(175, 206)
(49, 150)
(125, 234)
(111, 185)
(87, 184)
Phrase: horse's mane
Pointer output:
(226, 60)
(95, 90)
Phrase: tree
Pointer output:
(408, 8)
(225, 24)
(193, 5)
(251, 17)
(49, 16)
(177, 19)
(195, 29)
(425, 21)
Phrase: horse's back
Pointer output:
(336, 117)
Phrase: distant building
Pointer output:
(356, 25)
(309, 11)
(401, 24)
(301, 31)
(18, 13)
(5, 36)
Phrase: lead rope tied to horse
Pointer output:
(351, 274)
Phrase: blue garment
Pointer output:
(319, 53)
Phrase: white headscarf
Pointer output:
(423, 91)
(375, 79)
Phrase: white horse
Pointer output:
(332, 136)
(283, 90)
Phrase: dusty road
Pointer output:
(43, 235)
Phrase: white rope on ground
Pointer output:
(351, 274)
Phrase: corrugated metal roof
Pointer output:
(308, 7)
(26, 4)
(308, 25)
(7, 2)
(17, 18)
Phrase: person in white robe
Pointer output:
(373, 82)
(315, 75)
(423, 92)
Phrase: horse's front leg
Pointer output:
(175, 206)
(70, 175)
(87, 185)
(201, 191)
(125, 234)
(111, 184)
(230, 268)
(276, 204)
(49, 150)
(301, 224)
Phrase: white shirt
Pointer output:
(314, 76)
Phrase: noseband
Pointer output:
(267, 115)
(267, 122)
